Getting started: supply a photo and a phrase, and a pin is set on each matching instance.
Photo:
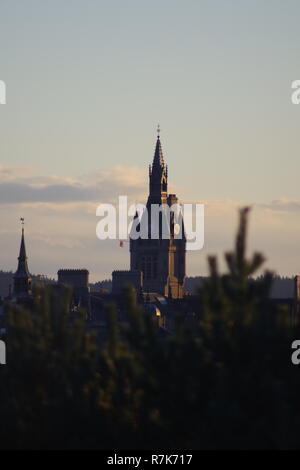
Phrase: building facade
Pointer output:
(161, 259)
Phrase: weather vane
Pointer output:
(158, 130)
(22, 221)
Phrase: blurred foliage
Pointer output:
(228, 382)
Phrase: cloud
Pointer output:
(61, 223)
(19, 185)
(19, 193)
(8, 173)
(283, 205)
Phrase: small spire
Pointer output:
(158, 160)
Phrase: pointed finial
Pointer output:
(158, 131)
(22, 223)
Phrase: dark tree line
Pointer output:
(226, 383)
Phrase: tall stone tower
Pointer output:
(162, 261)
(22, 277)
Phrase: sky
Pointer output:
(87, 84)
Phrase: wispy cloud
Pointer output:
(20, 185)
(282, 205)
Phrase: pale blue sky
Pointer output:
(88, 81)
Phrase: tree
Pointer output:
(228, 382)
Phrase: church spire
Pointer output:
(22, 277)
(22, 259)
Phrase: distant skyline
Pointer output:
(87, 84)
